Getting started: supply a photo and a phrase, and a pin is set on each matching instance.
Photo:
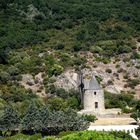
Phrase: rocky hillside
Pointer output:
(44, 44)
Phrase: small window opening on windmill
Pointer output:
(95, 93)
(96, 104)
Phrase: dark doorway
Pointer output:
(95, 93)
(96, 104)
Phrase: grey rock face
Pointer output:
(68, 80)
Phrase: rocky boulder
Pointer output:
(68, 80)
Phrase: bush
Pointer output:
(135, 55)
(110, 82)
(13, 71)
(119, 100)
(133, 82)
(97, 135)
(49, 138)
(56, 103)
(59, 47)
(108, 70)
(21, 136)
(73, 102)
(55, 70)
(90, 118)
(65, 133)
(4, 77)
(121, 134)
(99, 79)
(77, 47)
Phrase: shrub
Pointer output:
(73, 102)
(126, 76)
(55, 70)
(49, 138)
(126, 110)
(121, 134)
(4, 77)
(65, 133)
(96, 49)
(110, 82)
(138, 66)
(13, 71)
(117, 66)
(133, 82)
(108, 70)
(118, 100)
(135, 55)
(99, 79)
(120, 70)
(56, 103)
(59, 47)
(77, 47)
(90, 118)
(98, 135)
(21, 136)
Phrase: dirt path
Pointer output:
(113, 121)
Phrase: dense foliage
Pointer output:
(40, 119)
(104, 27)
(48, 36)
(9, 120)
(94, 135)
(125, 101)
(136, 112)
(82, 135)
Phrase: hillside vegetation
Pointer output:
(45, 36)
(104, 27)
(82, 135)
(40, 39)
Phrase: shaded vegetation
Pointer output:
(125, 101)
(40, 119)
(82, 135)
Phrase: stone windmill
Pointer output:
(92, 95)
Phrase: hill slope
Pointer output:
(48, 37)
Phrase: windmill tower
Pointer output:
(93, 96)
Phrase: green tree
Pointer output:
(31, 120)
(67, 120)
(10, 119)
(73, 102)
(56, 103)
(44, 115)
(5, 3)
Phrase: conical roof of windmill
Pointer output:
(91, 84)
